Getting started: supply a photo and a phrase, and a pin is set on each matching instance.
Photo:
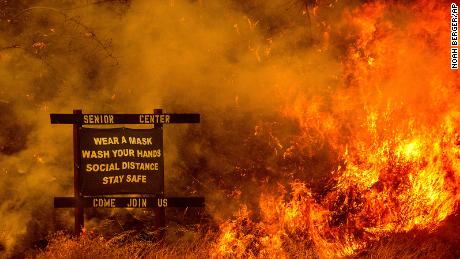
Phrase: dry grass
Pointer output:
(128, 246)
(123, 246)
(406, 247)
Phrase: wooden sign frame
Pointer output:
(158, 202)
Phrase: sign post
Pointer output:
(79, 211)
(121, 161)
(160, 212)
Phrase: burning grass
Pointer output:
(416, 244)
(396, 136)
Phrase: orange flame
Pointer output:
(395, 123)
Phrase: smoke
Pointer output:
(228, 60)
(238, 63)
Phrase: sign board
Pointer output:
(121, 160)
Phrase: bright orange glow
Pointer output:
(395, 123)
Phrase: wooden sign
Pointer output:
(121, 160)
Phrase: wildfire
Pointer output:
(394, 122)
